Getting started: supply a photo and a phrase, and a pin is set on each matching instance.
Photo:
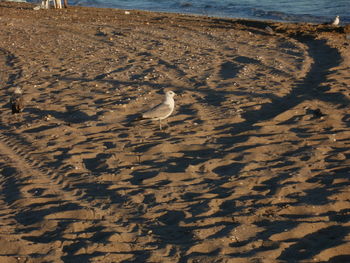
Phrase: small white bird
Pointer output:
(336, 21)
(163, 110)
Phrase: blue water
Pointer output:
(316, 11)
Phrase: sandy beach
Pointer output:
(252, 165)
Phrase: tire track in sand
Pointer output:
(36, 200)
(39, 205)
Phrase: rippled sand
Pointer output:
(252, 166)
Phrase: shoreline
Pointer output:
(315, 20)
(310, 26)
(252, 165)
(264, 15)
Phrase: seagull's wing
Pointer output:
(160, 111)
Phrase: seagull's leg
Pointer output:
(160, 125)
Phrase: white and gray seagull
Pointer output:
(163, 110)
(336, 21)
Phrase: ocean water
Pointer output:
(314, 11)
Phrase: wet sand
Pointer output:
(252, 166)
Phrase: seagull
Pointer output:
(163, 110)
(336, 21)
(17, 101)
